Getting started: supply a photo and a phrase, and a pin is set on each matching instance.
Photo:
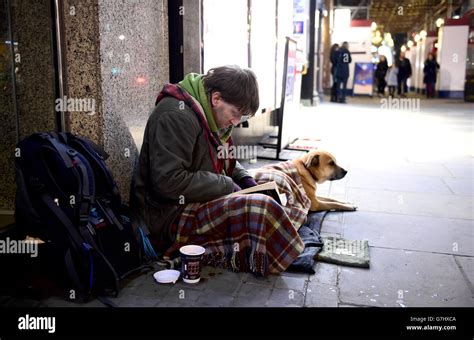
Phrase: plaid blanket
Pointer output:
(247, 233)
(289, 182)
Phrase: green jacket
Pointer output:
(175, 169)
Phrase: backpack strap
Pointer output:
(71, 269)
(61, 216)
(61, 149)
(72, 159)
(109, 214)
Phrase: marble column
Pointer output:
(117, 55)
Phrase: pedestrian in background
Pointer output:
(341, 72)
(380, 73)
(392, 78)
(333, 56)
(404, 72)
(429, 78)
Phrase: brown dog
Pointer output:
(317, 167)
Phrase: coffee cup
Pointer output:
(191, 258)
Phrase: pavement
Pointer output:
(411, 174)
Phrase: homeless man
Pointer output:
(181, 179)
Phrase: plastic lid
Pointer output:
(167, 276)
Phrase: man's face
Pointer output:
(225, 114)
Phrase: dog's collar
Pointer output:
(312, 176)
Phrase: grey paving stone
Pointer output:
(267, 281)
(22, 303)
(148, 288)
(326, 273)
(252, 295)
(228, 283)
(329, 226)
(433, 234)
(136, 301)
(55, 301)
(450, 206)
(333, 216)
(293, 283)
(323, 234)
(182, 296)
(368, 179)
(405, 278)
(461, 186)
(286, 298)
(467, 265)
(201, 285)
(213, 299)
(321, 295)
(460, 170)
(166, 304)
(93, 304)
(403, 167)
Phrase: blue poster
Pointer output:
(363, 78)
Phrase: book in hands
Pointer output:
(269, 189)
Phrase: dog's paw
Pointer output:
(350, 207)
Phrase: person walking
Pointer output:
(404, 72)
(380, 73)
(429, 78)
(341, 72)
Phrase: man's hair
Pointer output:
(237, 86)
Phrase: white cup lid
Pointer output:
(192, 250)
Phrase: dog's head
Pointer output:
(322, 166)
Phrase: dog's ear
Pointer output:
(312, 161)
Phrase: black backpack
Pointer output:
(67, 197)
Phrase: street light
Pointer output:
(417, 37)
(410, 44)
(439, 22)
(423, 34)
(373, 25)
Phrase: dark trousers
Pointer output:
(341, 93)
(333, 90)
(381, 83)
(430, 90)
(402, 85)
(391, 91)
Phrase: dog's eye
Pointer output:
(331, 163)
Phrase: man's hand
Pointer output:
(236, 187)
(247, 182)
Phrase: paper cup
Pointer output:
(191, 257)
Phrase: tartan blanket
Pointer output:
(247, 233)
(289, 182)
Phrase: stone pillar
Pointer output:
(27, 97)
(117, 55)
(326, 34)
(192, 36)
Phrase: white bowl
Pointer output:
(167, 276)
